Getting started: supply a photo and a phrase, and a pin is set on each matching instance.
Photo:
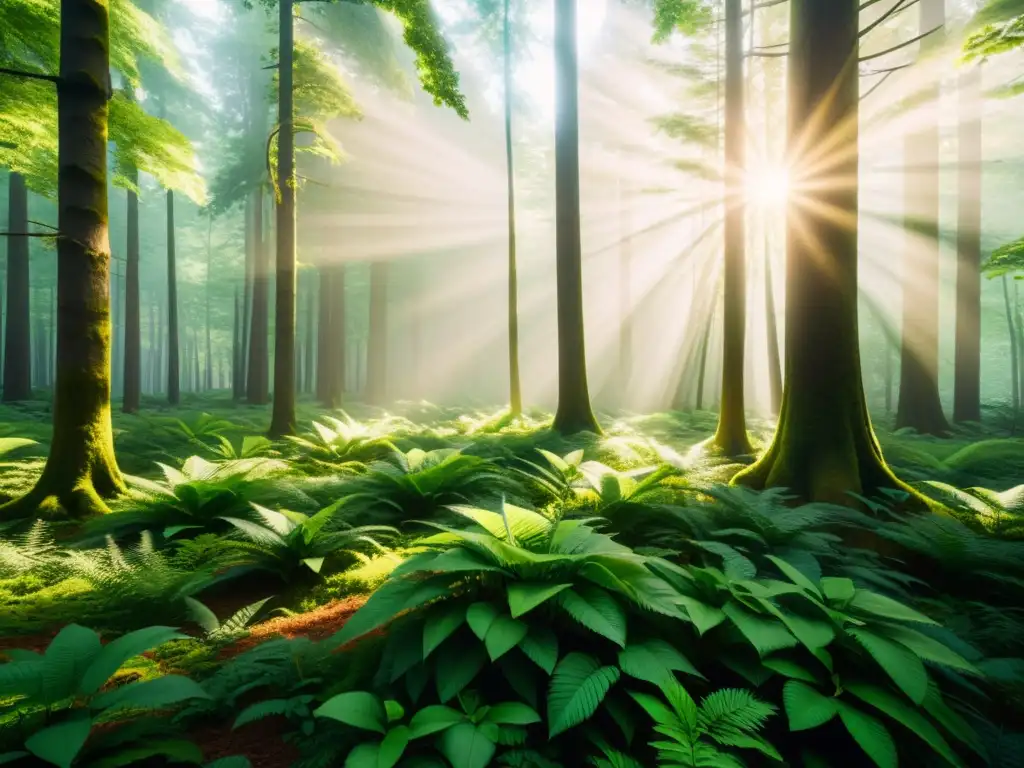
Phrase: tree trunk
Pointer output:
(336, 336)
(515, 387)
(259, 366)
(197, 371)
(1019, 322)
(173, 350)
(209, 340)
(919, 405)
(774, 363)
(236, 350)
(967, 375)
(323, 335)
(132, 319)
(282, 421)
(888, 378)
(247, 304)
(731, 436)
(574, 412)
(824, 447)
(81, 469)
(1012, 326)
(18, 343)
(377, 346)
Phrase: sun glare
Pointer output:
(768, 187)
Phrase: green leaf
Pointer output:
(480, 616)
(363, 755)
(789, 668)
(389, 600)
(805, 707)
(654, 661)
(440, 624)
(578, 686)
(60, 744)
(177, 750)
(794, 575)
(151, 694)
(596, 610)
(929, 649)
(902, 665)
(704, 617)
(393, 746)
(766, 635)
(66, 659)
(433, 719)
(115, 653)
(512, 713)
(202, 615)
(466, 746)
(456, 666)
(907, 716)
(393, 710)
(359, 709)
(837, 590)
(524, 596)
(13, 757)
(870, 734)
(504, 635)
(880, 605)
(541, 646)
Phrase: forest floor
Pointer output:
(221, 536)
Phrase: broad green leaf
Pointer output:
(578, 686)
(766, 635)
(202, 615)
(596, 610)
(656, 708)
(872, 736)
(393, 746)
(22, 678)
(456, 666)
(393, 711)
(363, 755)
(794, 575)
(504, 635)
(480, 616)
(908, 716)
(929, 648)
(524, 596)
(789, 669)
(951, 721)
(60, 744)
(359, 709)
(901, 664)
(433, 719)
(440, 624)
(837, 590)
(115, 653)
(880, 605)
(541, 646)
(683, 704)
(389, 600)
(467, 746)
(805, 707)
(704, 617)
(151, 694)
(512, 713)
(654, 661)
(66, 659)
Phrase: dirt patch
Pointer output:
(262, 742)
(35, 642)
(318, 624)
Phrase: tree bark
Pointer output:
(323, 337)
(173, 349)
(257, 379)
(731, 436)
(309, 336)
(132, 319)
(920, 406)
(515, 387)
(774, 363)
(377, 346)
(824, 447)
(282, 421)
(81, 469)
(574, 412)
(209, 340)
(1012, 327)
(236, 350)
(18, 339)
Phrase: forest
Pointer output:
(539, 384)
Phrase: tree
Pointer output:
(574, 412)
(824, 446)
(17, 374)
(514, 386)
(919, 405)
(81, 468)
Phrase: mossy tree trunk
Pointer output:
(18, 333)
(257, 377)
(514, 384)
(967, 355)
(132, 313)
(282, 421)
(574, 412)
(81, 469)
(824, 446)
(919, 405)
(731, 435)
(377, 345)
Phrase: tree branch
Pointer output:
(900, 7)
(895, 48)
(27, 234)
(877, 85)
(767, 54)
(29, 75)
(43, 224)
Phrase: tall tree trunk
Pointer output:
(514, 384)
(173, 350)
(774, 363)
(236, 350)
(282, 421)
(132, 319)
(257, 378)
(1012, 326)
(247, 304)
(307, 385)
(81, 469)
(377, 346)
(197, 370)
(824, 446)
(920, 406)
(574, 412)
(1019, 323)
(888, 378)
(336, 335)
(731, 436)
(324, 343)
(209, 340)
(151, 374)
(967, 375)
(18, 339)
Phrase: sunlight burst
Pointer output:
(768, 186)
